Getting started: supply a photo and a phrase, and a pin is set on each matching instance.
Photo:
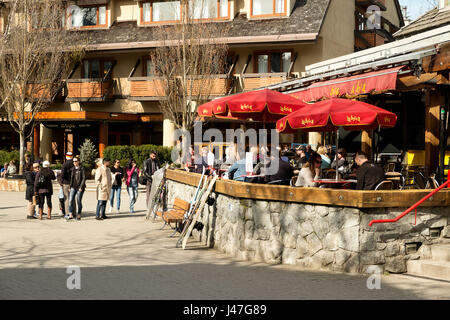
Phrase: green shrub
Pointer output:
(7, 156)
(139, 154)
(56, 166)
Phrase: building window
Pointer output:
(208, 9)
(156, 11)
(270, 62)
(96, 68)
(149, 68)
(268, 8)
(91, 16)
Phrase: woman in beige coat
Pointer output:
(103, 182)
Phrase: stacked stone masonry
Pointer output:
(316, 236)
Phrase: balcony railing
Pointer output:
(46, 92)
(154, 88)
(90, 90)
(369, 38)
(250, 81)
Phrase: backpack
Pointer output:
(41, 181)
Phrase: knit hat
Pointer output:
(46, 164)
(69, 155)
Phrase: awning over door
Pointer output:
(350, 86)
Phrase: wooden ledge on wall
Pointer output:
(321, 196)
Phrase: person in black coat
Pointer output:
(368, 175)
(77, 188)
(283, 174)
(149, 168)
(43, 187)
(30, 177)
(64, 180)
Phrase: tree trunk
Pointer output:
(21, 151)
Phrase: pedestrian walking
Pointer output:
(65, 180)
(132, 183)
(150, 166)
(103, 182)
(77, 187)
(30, 177)
(43, 187)
(117, 178)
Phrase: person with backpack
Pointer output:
(43, 187)
(149, 168)
(132, 182)
(30, 178)
(77, 187)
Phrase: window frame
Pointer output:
(69, 19)
(268, 52)
(142, 22)
(102, 69)
(145, 60)
(283, 14)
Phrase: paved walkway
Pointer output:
(128, 257)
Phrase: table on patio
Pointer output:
(337, 184)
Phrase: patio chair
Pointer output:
(389, 167)
(431, 182)
(384, 185)
(419, 179)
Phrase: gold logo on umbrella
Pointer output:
(352, 118)
(246, 107)
(387, 120)
(284, 108)
(205, 111)
(219, 108)
(307, 121)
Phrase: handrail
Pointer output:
(413, 206)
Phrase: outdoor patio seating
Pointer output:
(175, 214)
(384, 185)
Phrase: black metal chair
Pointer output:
(419, 180)
(384, 185)
(431, 183)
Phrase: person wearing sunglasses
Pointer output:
(310, 171)
(117, 178)
(77, 187)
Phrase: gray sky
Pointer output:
(418, 7)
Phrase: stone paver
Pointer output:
(127, 257)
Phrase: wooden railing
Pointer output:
(251, 81)
(369, 38)
(46, 92)
(94, 90)
(323, 196)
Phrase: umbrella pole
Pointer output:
(337, 144)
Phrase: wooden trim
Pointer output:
(331, 197)
(269, 15)
(85, 115)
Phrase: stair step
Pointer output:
(440, 252)
(429, 268)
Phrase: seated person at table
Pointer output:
(300, 159)
(283, 172)
(368, 175)
(326, 161)
(310, 171)
(237, 170)
(342, 164)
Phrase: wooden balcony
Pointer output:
(250, 81)
(369, 38)
(90, 90)
(153, 88)
(46, 92)
(146, 88)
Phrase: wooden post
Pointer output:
(70, 142)
(36, 140)
(434, 100)
(366, 142)
(102, 138)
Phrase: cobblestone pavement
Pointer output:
(128, 257)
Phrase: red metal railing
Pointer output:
(412, 207)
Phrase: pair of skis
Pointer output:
(157, 198)
(196, 208)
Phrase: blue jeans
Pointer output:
(115, 190)
(79, 195)
(101, 206)
(133, 193)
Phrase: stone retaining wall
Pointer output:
(13, 185)
(315, 236)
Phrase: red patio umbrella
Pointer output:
(329, 115)
(260, 105)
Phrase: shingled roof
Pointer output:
(306, 19)
(431, 20)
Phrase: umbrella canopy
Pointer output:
(260, 105)
(328, 115)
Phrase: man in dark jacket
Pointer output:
(149, 168)
(283, 174)
(77, 187)
(65, 178)
(368, 175)
(43, 187)
(30, 178)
